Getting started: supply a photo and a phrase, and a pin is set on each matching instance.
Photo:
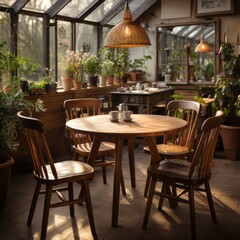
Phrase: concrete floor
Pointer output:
(169, 224)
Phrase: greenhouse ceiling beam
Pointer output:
(114, 11)
(18, 5)
(56, 8)
(89, 9)
(143, 8)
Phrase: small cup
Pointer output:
(114, 115)
(127, 115)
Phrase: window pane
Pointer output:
(39, 5)
(103, 9)
(75, 7)
(86, 34)
(5, 29)
(7, 2)
(64, 43)
(52, 50)
(30, 39)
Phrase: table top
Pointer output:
(142, 125)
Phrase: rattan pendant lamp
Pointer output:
(126, 34)
(202, 46)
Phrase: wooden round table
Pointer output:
(145, 126)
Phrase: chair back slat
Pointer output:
(38, 146)
(202, 159)
(188, 111)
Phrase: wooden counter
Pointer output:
(141, 101)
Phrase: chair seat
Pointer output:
(68, 169)
(171, 150)
(85, 148)
(173, 169)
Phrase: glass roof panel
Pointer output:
(7, 2)
(75, 7)
(98, 14)
(39, 5)
(134, 5)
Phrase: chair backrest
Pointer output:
(34, 133)
(81, 107)
(202, 159)
(189, 111)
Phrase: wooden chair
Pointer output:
(82, 143)
(55, 176)
(187, 176)
(180, 145)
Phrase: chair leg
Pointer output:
(70, 194)
(104, 171)
(46, 212)
(210, 202)
(131, 161)
(192, 212)
(89, 208)
(33, 204)
(149, 203)
(173, 203)
(122, 184)
(146, 186)
(160, 203)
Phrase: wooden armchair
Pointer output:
(56, 177)
(185, 176)
(180, 145)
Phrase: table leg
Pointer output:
(94, 150)
(117, 177)
(151, 143)
(131, 161)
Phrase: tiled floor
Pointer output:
(171, 224)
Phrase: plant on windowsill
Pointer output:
(138, 68)
(122, 62)
(108, 69)
(91, 66)
(107, 72)
(73, 68)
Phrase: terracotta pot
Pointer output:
(77, 85)
(6, 163)
(110, 80)
(231, 138)
(102, 81)
(67, 83)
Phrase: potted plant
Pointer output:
(6, 163)
(227, 98)
(79, 57)
(138, 68)
(36, 88)
(122, 62)
(207, 71)
(107, 73)
(107, 58)
(68, 73)
(10, 127)
(91, 66)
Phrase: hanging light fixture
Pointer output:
(202, 46)
(126, 34)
